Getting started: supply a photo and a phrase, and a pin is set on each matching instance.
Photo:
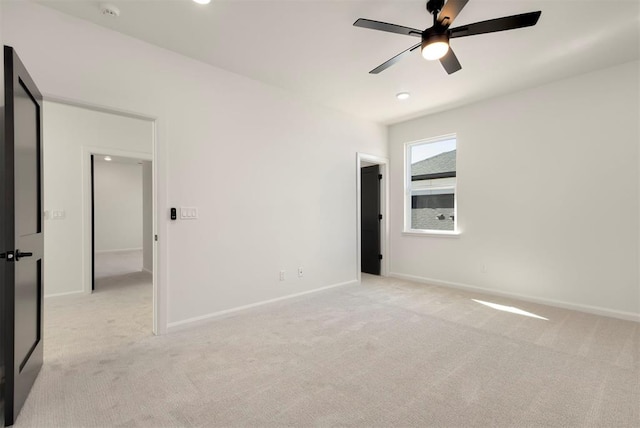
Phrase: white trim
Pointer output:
(68, 293)
(120, 250)
(361, 159)
(160, 256)
(98, 151)
(435, 233)
(596, 310)
(202, 319)
(147, 271)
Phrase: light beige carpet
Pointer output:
(381, 354)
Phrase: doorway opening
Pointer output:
(121, 222)
(372, 215)
(75, 129)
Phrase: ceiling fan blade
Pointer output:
(450, 10)
(384, 26)
(498, 24)
(393, 60)
(450, 62)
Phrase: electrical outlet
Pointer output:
(281, 275)
(300, 272)
(484, 268)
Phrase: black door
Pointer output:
(93, 230)
(370, 219)
(23, 237)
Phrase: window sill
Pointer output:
(433, 233)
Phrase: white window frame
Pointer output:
(407, 230)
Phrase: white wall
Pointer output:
(273, 176)
(118, 206)
(68, 133)
(548, 189)
(147, 216)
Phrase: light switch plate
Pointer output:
(57, 215)
(188, 213)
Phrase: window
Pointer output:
(430, 197)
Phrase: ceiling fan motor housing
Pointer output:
(434, 35)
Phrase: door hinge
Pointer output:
(379, 216)
(379, 256)
(379, 176)
(156, 237)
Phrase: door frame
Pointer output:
(159, 325)
(363, 159)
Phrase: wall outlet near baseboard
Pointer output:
(281, 275)
(300, 272)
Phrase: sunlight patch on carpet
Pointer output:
(511, 309)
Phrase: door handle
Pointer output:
(20, 255)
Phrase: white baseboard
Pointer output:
(629, 316)
(69, 293)
(192, 322)
(120, 250)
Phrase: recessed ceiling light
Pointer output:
(107, 158)
(403, 95)
(202, 1)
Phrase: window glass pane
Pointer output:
(433, 158)
(432, 212)
(431, 192)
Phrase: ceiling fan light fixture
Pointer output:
(202, 1)
(403, 96)
(435, 46)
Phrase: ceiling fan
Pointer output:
(435, 40)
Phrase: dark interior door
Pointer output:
(370, 219)
(93, 230)
(24, 255)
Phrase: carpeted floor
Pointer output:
(383, 353)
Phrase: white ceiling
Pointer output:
(311, 48)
